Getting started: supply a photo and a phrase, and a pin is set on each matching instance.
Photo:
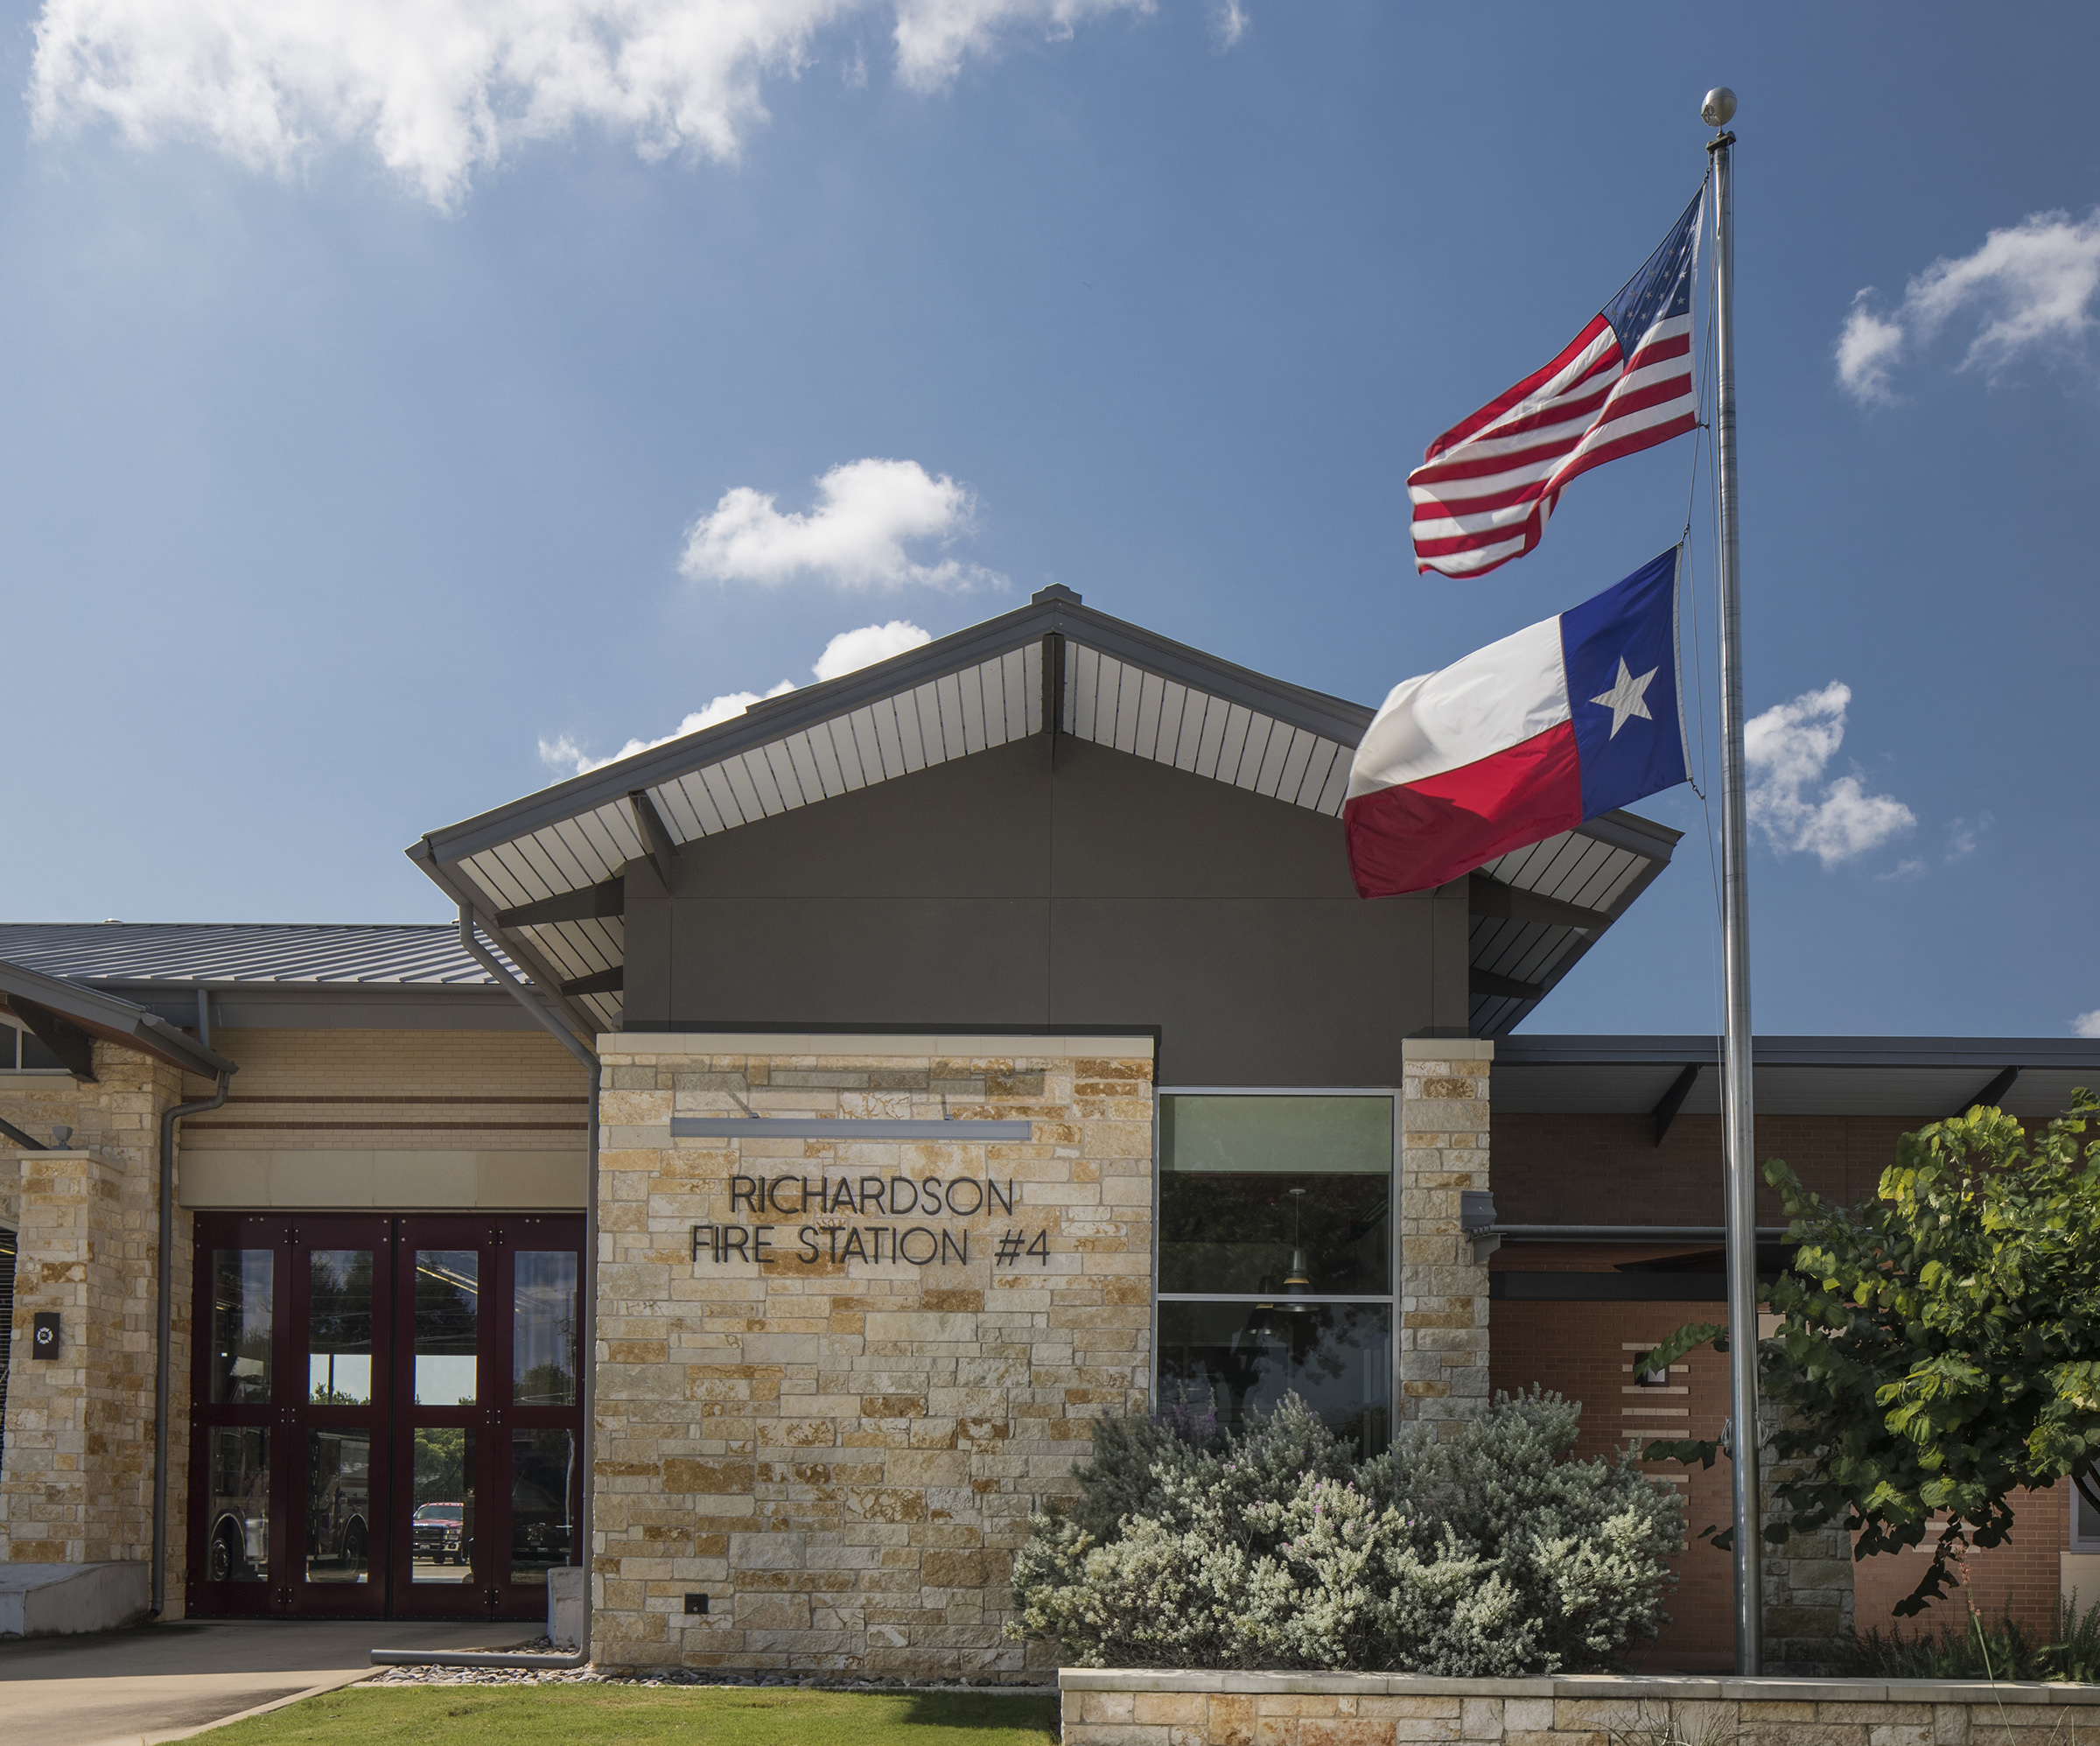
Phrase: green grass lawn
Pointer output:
(640, 1715)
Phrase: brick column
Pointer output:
(77, 1484)
(1443, 1290)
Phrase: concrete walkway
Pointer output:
(163, 1680)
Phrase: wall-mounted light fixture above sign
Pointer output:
(959, 1129)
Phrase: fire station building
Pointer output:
(810, 1126)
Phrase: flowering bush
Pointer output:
(1487, 1555)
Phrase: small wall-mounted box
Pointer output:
(695, 1605)
(44, 1334)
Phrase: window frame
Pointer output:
(1391, 1298)
(14, 1037)
(2074, 1541)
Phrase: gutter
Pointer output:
(569, 1040)
(164, 1310)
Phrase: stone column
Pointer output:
(77, 1484)
(1443, 1330)
(1808, 1580)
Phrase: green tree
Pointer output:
(1939, 1347)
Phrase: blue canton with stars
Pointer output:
(1620, 653)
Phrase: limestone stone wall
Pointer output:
(1444, 1126)
(77, 1482)
(1107, 1708)
(840, 1444)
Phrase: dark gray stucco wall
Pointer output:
(998, 892)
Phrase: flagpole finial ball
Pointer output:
(1719, 109)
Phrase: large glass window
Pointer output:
(1276, 1256)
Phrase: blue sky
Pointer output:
(367, 422)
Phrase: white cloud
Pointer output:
(1964, 834)
(565, 755)
(935, 37)
(868, 512)
(846, 653)
(852, 649)
(1787, 749)
(2087, 1024)
(2032, 288)
(441, 89)
(1228, 20)
(1867, 353)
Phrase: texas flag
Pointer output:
(1521, 740)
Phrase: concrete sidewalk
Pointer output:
(163, 1680)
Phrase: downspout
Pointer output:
(569, 1040)
(164, 1311)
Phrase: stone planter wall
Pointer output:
(1113, 1708)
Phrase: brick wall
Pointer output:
(2021, 1576)
(844, 1452)
(519, 1090)
(1590, 1169)
(1586, 1352)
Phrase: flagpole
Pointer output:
(1737, 1104)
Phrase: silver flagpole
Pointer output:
(1739, 1108)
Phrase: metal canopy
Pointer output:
(66, 1016)
(1097, 677)
(1916, 1078)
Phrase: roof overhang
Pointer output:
(66, 1016)
(1916, 1078)
(546, 874)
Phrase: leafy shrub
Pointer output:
(1974, 1650)
(1486, 1555)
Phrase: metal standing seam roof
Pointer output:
(209, 955)
(1123, 687)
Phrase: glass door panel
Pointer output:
(442, 1414)
(341, 1307)
(237, 1539)
(537, 1499)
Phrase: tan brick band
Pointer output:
(1112, 1707)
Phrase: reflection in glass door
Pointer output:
(236, 1502)
(438, 1415)
(340, 1305)
(541, 1416)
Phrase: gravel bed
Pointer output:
(693, 1677)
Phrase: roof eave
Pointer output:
(774, 718)
(113, 1020)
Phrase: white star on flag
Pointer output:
(1624, 697)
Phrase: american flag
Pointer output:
(1485, 487)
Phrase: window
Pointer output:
(1277, 1257)
(21, 1053)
